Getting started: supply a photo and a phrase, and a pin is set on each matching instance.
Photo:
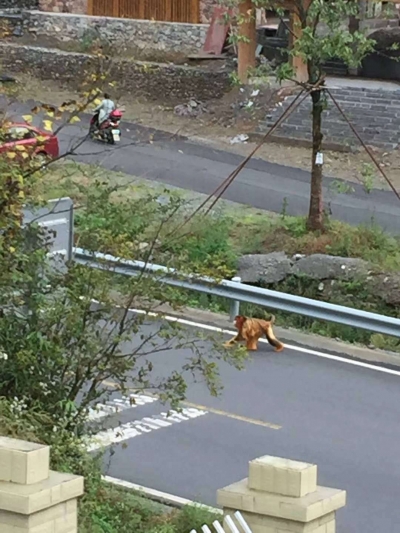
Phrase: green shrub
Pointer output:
(193, 517)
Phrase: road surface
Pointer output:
(342, 417)
(196, 167)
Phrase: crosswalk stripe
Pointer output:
(117, 405)
(129, 430)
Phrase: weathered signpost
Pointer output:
(57, 217)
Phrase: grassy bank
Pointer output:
(118, 510)
(123, 216)
(248, 230)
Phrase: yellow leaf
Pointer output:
(27, 118)
(24, 155)
(11, 155)
(50, 114)
(48, 125)
(75, 119)
(20, 147)
(97, 101)
(21, 194)
(12, 249)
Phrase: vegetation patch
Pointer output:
(129, 210)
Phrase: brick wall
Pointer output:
(374, 113)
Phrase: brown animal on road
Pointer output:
(251, 329)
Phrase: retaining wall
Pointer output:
(155, 81)
(124, 34)
(374, 113)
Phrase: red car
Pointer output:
(36, 141)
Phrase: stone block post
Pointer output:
(282, 496)
(34, 499)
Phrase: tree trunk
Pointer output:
(315, 220)
(247, 44)
(354, 26)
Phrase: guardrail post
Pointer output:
(235, 304)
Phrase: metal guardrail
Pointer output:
(239, 292)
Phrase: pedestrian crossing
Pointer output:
(117, 405)
(135, 428)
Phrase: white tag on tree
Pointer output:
(319, 158)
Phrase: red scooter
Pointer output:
(109, 131)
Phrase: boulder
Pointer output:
(268, 268)
(387, 287)
(320, 267)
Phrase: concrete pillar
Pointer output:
(34, 499)
(247, 43)
(282, 496)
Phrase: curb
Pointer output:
(158, 496)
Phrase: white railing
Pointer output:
(228, 525)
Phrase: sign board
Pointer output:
(58, 217)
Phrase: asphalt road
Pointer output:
(344, 418)
(341, 417)
(179, 162)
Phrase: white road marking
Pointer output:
(133, 429)
(157, 495)
(287, 346)
(117, 405)
(56, 222)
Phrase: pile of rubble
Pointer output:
(193, 108)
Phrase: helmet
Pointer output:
(117, 114)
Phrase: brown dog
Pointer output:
(251, 329)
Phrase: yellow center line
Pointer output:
(253, 421)
(219, 412)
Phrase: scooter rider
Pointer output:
(104, 110)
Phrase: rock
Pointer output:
(297, 257)
(7, 79)
(321, 267)
(387, 288)
(191, 109)
(241, 138)
(268, 268)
